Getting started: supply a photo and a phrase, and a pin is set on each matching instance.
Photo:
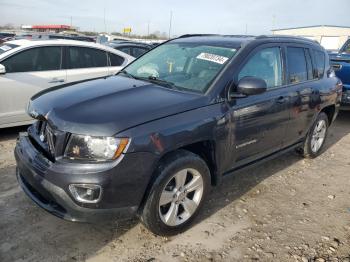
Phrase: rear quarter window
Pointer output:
(319, 64)
(116, 60)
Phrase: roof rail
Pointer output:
(288, 37)
(190, 35)
(248, 36)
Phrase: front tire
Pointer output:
(316, 137)
(178, 193)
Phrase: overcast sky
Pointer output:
(189, 16)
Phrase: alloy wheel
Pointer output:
(318, 135)
(181, 196)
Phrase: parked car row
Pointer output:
(129, 47)
(43, 36)
(27, 67)
(6, 37)
(154, 139)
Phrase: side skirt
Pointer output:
(263, 160)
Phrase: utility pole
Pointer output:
(148, 29)
(104, 19)
(171, 20)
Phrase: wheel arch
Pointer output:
(330, 112)
(204, 149)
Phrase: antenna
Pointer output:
(273, 21)
(171, 19)
(148, 28)
(104, 19)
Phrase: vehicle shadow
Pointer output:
(11, 133)
(339, 129)
(29, 232)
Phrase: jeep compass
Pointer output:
(154, 139)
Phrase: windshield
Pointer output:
(346, 48)
(181, 66)
(6, 47)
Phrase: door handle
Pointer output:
(281, 100)
(55, 80)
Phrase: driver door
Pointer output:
(260, 121)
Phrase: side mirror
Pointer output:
(2, 69)
(251, 86)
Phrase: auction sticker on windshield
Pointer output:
(212, 58)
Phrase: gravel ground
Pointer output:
(288, 209)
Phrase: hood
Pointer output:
(107, 106)
(341, 57)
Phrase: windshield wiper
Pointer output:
(151, 79)
(126, 73)
(161, 82)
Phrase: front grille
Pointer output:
(50, 141)
(45, 137)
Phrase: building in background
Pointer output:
(329, 36)
(48, 28)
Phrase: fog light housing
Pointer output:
(86, 193)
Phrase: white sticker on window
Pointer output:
(5, 48)
(212, 58)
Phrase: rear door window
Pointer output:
(319, 64)
(297, 67)
(35, 59)
(84, 57)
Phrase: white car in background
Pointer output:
(27, 67)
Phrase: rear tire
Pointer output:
(177, 195)
(316, 137)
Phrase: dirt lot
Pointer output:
(288, 209)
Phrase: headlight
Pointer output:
(95, 148)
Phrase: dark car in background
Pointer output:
(4, 36)
(152, 140)
(50, 36)
(63, 36)
(134, 49)
(341, 64)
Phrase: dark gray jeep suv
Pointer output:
(154, 139)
